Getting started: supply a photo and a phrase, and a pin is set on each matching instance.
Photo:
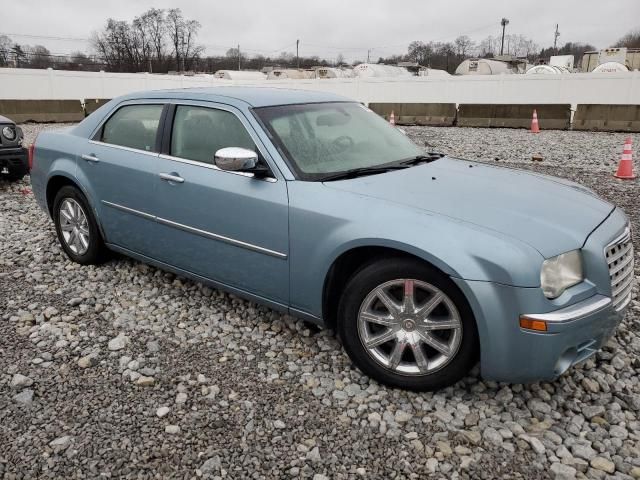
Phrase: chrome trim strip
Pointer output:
(573, 312)
(625, 302)
(622, 286)
(621, 253)
(623, 237)
(197, 231)
(222, 238)
(121, 147)
(122, 208)
(213, 167)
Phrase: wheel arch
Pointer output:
(54, 184)
(348, 262)
(58, 181)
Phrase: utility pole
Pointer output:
(239, 58)
(298, 53)
(369, 56)
(504, 22)
(555, 40)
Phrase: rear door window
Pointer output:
(199, 132)
(133, 126)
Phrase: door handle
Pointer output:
(90, 158)
(169, 177)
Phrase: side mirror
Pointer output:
(236, 159)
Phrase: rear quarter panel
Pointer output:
(55, 154)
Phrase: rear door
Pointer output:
(230, 227)
(118, 166)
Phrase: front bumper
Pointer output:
(14, 159)
(579, 322)
(512, 354)
(580, 329)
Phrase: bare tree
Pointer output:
(463, 44)
(5, 50)
(182, 33)
(38, 57)
(120, 46)
(154, 23)
(420, 52)
(489, 47)
(630, 40)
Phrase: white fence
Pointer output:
(577, 88)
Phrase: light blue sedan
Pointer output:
(314, 205)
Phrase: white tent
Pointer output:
(240, 75)
(379, 70)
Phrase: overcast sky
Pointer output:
(329, 27)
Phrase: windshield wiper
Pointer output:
(360, 172)
(429, 157)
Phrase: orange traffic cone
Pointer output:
(625, 167)
(535, 128)
(392, 118)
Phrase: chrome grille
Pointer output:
(620, 260)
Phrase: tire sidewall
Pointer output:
(95, 252)
(373, 275)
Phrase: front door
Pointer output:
(229, 227)
(118, 169)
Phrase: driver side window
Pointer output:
(199, 132)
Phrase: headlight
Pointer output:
(561, 272)
(9, 133)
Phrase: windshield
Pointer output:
(323, 139)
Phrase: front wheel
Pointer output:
(407, 325)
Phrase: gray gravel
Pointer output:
(127, 371)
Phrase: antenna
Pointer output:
(555, 39)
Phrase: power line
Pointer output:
(26, 35)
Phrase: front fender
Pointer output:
(321, 232)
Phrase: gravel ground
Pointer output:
(127, 371)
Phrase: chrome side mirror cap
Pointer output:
(235, 159)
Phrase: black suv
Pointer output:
(14, 163)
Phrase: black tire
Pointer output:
(96, 252)
(375, 274)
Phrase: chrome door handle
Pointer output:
(171, 178)
(90, 158)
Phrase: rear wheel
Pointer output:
(407, 325)
(77, 228)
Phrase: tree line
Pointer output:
(164, 40)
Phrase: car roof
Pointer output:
(253, 96)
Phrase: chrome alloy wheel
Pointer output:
(410, 327)
(74, 226)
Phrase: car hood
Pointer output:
(550, 214)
